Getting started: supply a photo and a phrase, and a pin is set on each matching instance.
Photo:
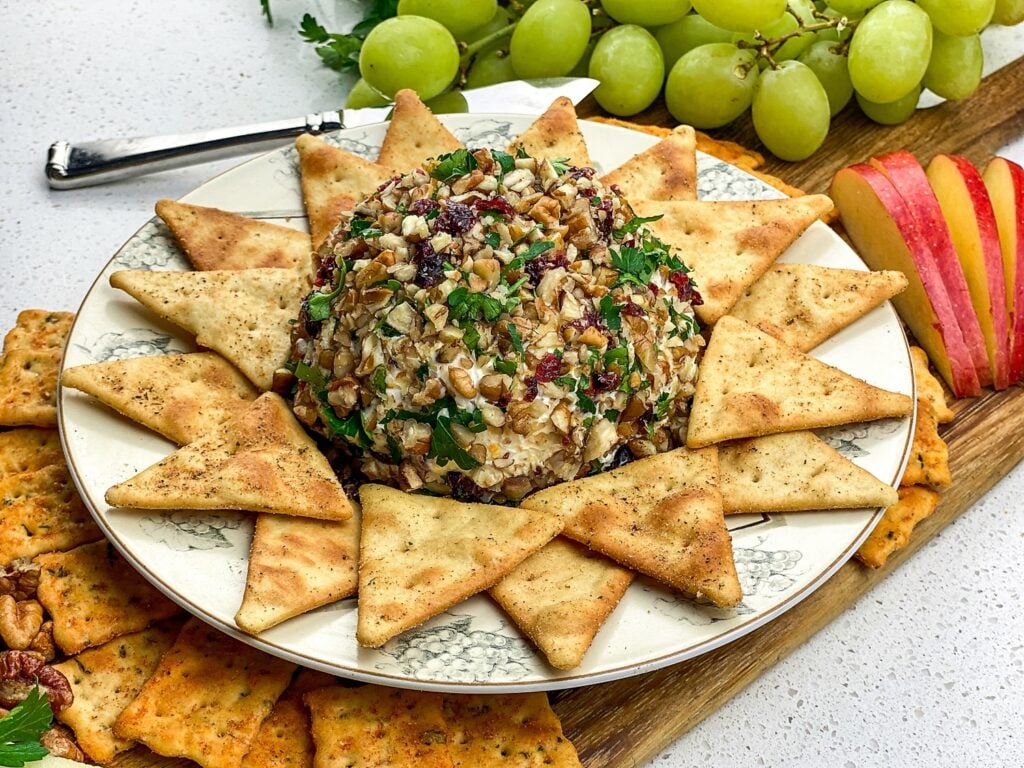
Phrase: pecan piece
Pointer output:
(19, 673)
(43, 643)
(20, 579)
(20, 622)
(60, 743)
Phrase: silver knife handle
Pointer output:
(70, 166)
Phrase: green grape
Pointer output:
(954, 69)
(740, 15)
(711, 85)
(1008, 12)
(646, 13)
(852, 8)
(409, 52)
(686, 34)
(893, 112)
(959, 17)
(448, 103)
(790, 111)
(629, 64)
(550, 38)
(362, 95)
(501, 19)
(490, 66)
(458, 16)
(889, 51)
(830, 68)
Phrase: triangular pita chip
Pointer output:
(666, 171)
(413, 135)
(296, 565)
(554, 135)
(243, 314)
(928, 387)
(183, 397)
(260, 461)
(750, 384)
(333, 181)
(661, 516)
(560, 597)
(730, 244)
(420, 555)
(803, 304)
(795, 471)
(216, 239)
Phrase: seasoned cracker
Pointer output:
(666, 171)
(244, 314)
(414, 134)
(928, 387)
(104, 680)
(94, 595)
(28, 449)
(207, 698)
(40, 511)
(28, 388)
(897, 524)
(500, 731)
(284, 739)
(929, 454)
(560, 597)
(39, 329)
(750, 384)
(183, 397)
(375, 727)
(420, 555)
(555, 135)
(661, 515)
(260, 461)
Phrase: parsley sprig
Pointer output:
(21, 728)
(443, 445)
(337, 51)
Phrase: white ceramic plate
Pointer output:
(199, 560)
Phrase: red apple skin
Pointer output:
(991, 255)
(907, 175)
(1013, 201)
(870, 207)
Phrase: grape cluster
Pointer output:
(458, 654)
(793, 63)
(764, 573)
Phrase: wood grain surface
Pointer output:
(625, 723)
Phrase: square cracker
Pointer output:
(929, 454)
(93, 596)
(207, 698)
(897, 524)
(28, 387)
(40, 511)
(375, 727)
(39, 329)
(104, 680)
(284, 739)
(28, 449)
(928, 387)
(499, 731)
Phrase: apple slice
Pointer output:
(907, 175)
(885, 233)
(1005, 182)
(963, 198)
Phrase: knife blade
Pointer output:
(86, 164)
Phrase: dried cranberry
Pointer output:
(590, 319)
(424, 206)
(604, 223)
(389, 182)
(536, 268)
(549, 368)
(456, 219)
(605, 381)
(684, 287)
(463, 488)
(653, 289)
(632, 310)
(531, 389)
(326, 270)
(429, 265)
(579, 173)
(495, 204)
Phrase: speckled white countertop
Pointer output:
(927, 669)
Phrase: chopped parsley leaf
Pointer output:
(493, 240)
(453, 165)
(318, 304)
(508, 367)
(611, 313)
(517, 342)
(380, 378)
(505, 160)
(561, 165)
(634, 224)
(362, 228)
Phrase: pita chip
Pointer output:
(40, 511)
(216, 239)
(730, 244)
(375, 727)
(94, 595)
(28, 449)
(39, 329)
(104, 680)
(242, 314)
(751, 384)
(414, 134)
(183, 397)
(795, 471)
(897, 524)
(206, 699)
(554, 135)
(929, 454)
(661, 516)
(928, 387)
(560, 597)
(260, 461)
(333, 181)
(802, 304)
(296, 565)
(497, 731)
(28, 387)
(666, 171)
(420, 555)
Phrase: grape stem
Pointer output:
(477, 45)
(766, 48)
